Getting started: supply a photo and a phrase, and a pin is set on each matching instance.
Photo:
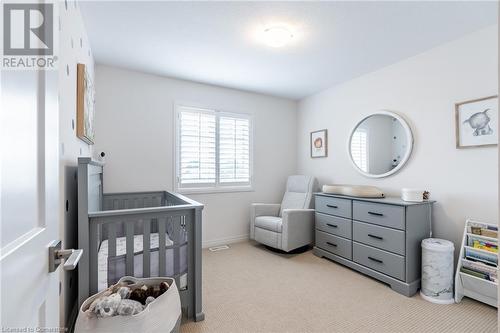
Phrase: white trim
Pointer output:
(405, 158)
(218, 187)
(224, 241)
(17, 243)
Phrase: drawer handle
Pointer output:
(331, 244)
(332, 225)
(376, 260)
(332, 206)
(376, 237)
(376, 214)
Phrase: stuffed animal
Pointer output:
(107, 306)
(150, 299)
(124, 292)
(142, 293)
(97, 300)
(122, 300)
(113, 305)
(139, 294)
(151, 292)
(128, 307)
(163, 287)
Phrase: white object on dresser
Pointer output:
(472, 286)
(362, 191)
(412, 194)
(437, 271)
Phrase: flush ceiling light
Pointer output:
(277, 36)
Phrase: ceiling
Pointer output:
(214, 42)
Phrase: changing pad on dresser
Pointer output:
(362, 191)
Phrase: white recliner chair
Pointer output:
(289, 225)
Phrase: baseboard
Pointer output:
(222, 241)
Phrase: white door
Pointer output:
(28, 199)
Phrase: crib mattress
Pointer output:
(121, 249)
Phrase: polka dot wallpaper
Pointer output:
(74, 48)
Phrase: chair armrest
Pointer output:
(298, 228)
(295, 211)
(260, 209)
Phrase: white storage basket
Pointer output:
(161, 315)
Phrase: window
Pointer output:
(213, 150)
(359, 149)
(197, 147)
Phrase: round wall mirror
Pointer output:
(380, 144)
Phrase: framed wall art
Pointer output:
(319, 143)
(84, 105)
(476, 122)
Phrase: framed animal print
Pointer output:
(84, 105)
(319, 143)
(476, 122)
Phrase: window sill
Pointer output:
(213, 190)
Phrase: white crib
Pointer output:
(141, 234)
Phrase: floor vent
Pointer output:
(218, 248)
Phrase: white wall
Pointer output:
(74, 48)
(134, 126)
(423, 89)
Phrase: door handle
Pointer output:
(332, 225)
(70, 257)
(331, 244)
(332, 206)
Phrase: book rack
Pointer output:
(477, 269)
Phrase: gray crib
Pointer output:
(138, 234)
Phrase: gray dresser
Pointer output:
(377, 237)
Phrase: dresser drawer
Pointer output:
(381, 214)
(334, 206)
(383, 238)
(379, 260)
(334, 225)
(336, 245)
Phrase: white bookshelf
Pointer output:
(469, 285)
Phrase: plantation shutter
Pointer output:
(197, 147)
(234, 150)
(359, 149)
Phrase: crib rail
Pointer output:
(138, 200)
(115, 201)
(171, 224)
(173, 219)
(178, 224)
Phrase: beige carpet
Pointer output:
(251, 289)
